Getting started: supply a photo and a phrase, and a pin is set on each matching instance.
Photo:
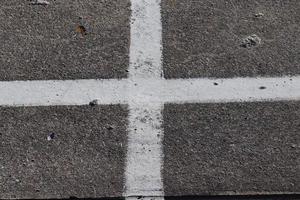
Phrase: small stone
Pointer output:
(110, 127)
(294, 146)
(93, 103)
(216, 83)
(258, 15)
(50, 137)
(251, 41)
(40, 2)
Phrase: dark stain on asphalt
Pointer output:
(262, 87)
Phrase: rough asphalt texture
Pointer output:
(206, 38)
(44, 42)
(84, 158)
(233, 148)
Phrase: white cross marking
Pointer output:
(146, 92)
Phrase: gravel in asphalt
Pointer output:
(62, 151)
(64, 40)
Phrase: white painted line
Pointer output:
(148, 91)
(145, 44)
(73, 92)
(231, 90)
(216, 90)
(144, 155)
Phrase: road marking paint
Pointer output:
(232, 90)
(71, 92)
(146, 39)
(148, 91)
(144, 154)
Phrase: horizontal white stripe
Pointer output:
(81, 92)
(71, 92)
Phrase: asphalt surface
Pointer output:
(207, 38)
(46, 42)
(63, 151)
(231, 148)
(209, 149)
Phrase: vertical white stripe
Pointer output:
(144, 155)
(143, 174)
(145, 45)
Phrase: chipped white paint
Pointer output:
(144, 154)
(73, 92)
(145, 44)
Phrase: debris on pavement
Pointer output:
(259, 15)
(81, 29)
(40, 2)
(172, 3)
(251, 41)
(110, 127)
(50, 137)
(93, 103)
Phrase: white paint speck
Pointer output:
(40, 2)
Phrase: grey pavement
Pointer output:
(231, 148)
(62, 151)
(209, 149)
(46, 42)
(211, 38)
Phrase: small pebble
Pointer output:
(110, 127)
(50, 137)
(40, 2)
(93, 103)
(258, 15)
